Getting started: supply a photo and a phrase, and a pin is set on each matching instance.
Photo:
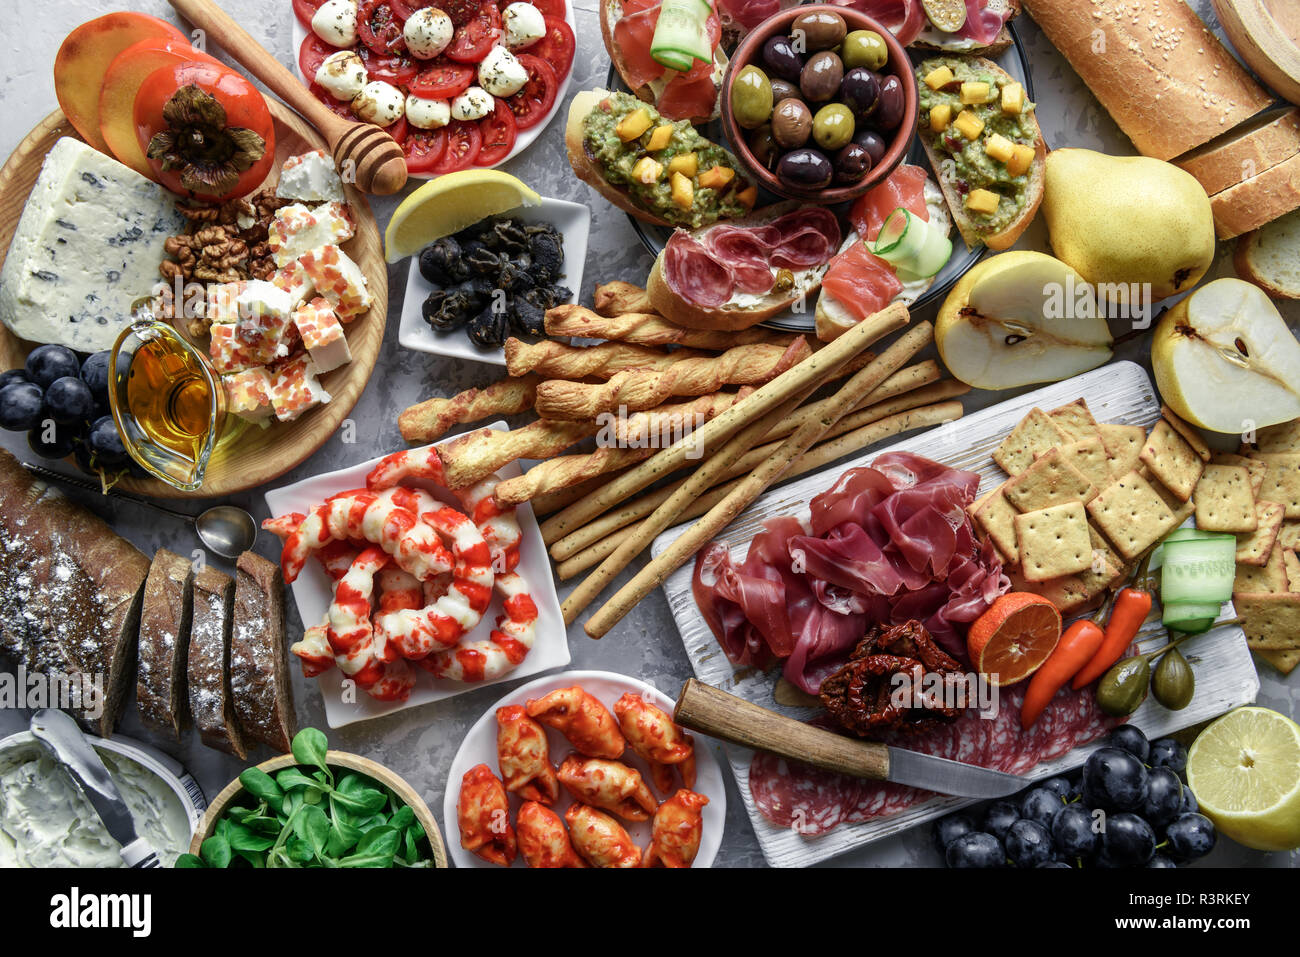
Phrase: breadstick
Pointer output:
(815, 369)
(618, 298)
(750, 487)
(868, 412)
(637, 389)
(430, 420)
(471, 458)
(555, 360)
(550, 502)
(818, 456)
(649, 329)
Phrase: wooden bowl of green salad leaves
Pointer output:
(316, 808)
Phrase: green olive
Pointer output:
(1123, 689)
(751, 98)
(864, 48)
(833, 126)
(1173, 683)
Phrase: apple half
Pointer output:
(1224, 359)
(1019, 318)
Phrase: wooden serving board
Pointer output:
(256, 456)
(1117, 393)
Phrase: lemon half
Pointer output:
(448, 204)
(1245, 772)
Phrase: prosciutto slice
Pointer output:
(905, 19)
(884, 545)
(687, 95)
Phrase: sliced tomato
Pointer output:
(463, 142)
(336, 106)
(441, 80)
(498, 131)
(531, 104)
(557, 47)
(312, 54)
(423, 149)
(379, 27)
(547, 8)
(304, 10)
(472, 41)
(398, 130)
(404, 8)
(396, 69)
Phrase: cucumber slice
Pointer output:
(681, 36)
(1190, 534)
(1192, 617)
(915, 248)
(1199, 569)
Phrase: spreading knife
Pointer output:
(718, 714)
(64, 740)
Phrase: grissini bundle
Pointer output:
(651, 329)
(557, 360)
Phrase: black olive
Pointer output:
(873, 143)
(781, 59)
(851, 164)
(860, 91)
(889, 113)
(488, 328)
(805, 169)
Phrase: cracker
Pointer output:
(1172, 460)
(1279, 438)
(1035, 433)
(1288, 535)
(1067, 593)
(1188, 432)
(1053, 541)
(1132, 515)
(1102, 552)
(1283, 661)
(1255, 467)
(1282, 483)
(1271, 621)
(997, 517)
(1291, 561)
(1075, 420)
(1225, 502)
(1267, 578)
(1256, 547)
(1182, 510)
(1090, 457)
(1049, 481)
(1124, 445)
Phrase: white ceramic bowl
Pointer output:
(480, 747)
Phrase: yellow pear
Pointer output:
(1121, 220)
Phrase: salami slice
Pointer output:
(807, 237)
(694, 274)
(798, 796)
(1070, 708)
(745, 253)
(1004, 743)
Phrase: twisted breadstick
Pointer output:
(619, 298)
(636, 390)
(431, 419)
(555, 360)
(648, 329)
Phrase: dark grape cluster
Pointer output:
(61, 402)
(1128, 807)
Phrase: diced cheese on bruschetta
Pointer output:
(339, 280)
(322, 334)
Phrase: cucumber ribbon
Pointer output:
(681, 34)
(917, 249)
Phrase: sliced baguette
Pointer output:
(1246, 151)
(740, 312)
(1258, 200)
(1270, 257)
(259, 663)
(208, 670)
(165, 619)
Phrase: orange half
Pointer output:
(1011, 640)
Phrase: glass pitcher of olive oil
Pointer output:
(167, 401)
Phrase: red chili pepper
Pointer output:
(1132, 605)
(1075, 649)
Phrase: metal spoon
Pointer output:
(226, 529)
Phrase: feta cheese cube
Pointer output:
(265, 314)
(297, 230)
(339, 280)
(310, 177)
(248, 394)
(322, 335)
(227, 352)
(295, 389)
(223, 302)
(294, 280)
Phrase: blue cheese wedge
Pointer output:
(88, 245)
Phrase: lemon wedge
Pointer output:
(1245, 772)
(448, 204)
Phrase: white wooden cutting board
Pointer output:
(1117, 393)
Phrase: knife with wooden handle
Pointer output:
(710, 711)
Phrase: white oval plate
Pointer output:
(480, 747)
(574, 223)
(522, 141)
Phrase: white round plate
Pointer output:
(522, 141)
(480, 747)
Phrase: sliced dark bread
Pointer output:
(208, 672)
(259, 655)
(165, 643)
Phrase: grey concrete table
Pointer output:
(419, 744)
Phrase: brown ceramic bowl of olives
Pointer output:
(819, 103)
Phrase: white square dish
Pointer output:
(313, 591)
(574, 223)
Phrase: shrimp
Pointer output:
(410, 463)
(350, 633)
(487, 659)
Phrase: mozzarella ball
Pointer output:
(427, 114)
(428, 32)
(501, 73)
(342, 74)
(523, 24)
(335, 22)
(473, 104)
(380, 103)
